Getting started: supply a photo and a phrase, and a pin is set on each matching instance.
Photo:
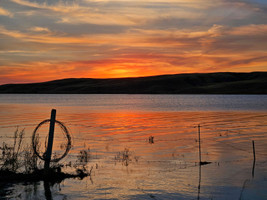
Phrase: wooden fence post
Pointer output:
(50, 140)
(199, 148)
(254, 155)
(254, 158)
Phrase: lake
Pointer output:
(114, 130)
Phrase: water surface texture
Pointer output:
(112, 126)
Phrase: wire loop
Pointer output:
(35, 141)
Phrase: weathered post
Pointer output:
(199, 183)
(48, 152)
(254, 155)
(254, 159)
(199, 148)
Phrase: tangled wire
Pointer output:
(35, 141)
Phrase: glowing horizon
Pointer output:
(43, 40)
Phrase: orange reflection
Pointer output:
(170, 161)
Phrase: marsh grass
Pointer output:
(125, 157)
(151, 139)
(30, 160)
(9, 156)
(84, 156)
(81, 164)
(18, 162)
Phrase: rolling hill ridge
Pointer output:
(205, 83)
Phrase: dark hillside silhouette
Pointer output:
(209, 83)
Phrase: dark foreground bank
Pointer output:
(211, 83)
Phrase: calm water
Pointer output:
(112, 125)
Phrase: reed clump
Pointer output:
(125, 157)
(18, 162)
(9, 156)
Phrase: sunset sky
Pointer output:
(42, 40)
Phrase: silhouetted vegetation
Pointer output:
(9, 157)
(212, 83)
(151, 139)
(125, 157)
(18, 164)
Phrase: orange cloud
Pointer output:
(5, 12)
(133, 65)
(124, 38)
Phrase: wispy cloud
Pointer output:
(40, 29)
(119, 38)
(5, 12)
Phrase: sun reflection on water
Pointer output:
(165, 169)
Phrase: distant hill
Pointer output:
(210, 83)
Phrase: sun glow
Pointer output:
(100, 39)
